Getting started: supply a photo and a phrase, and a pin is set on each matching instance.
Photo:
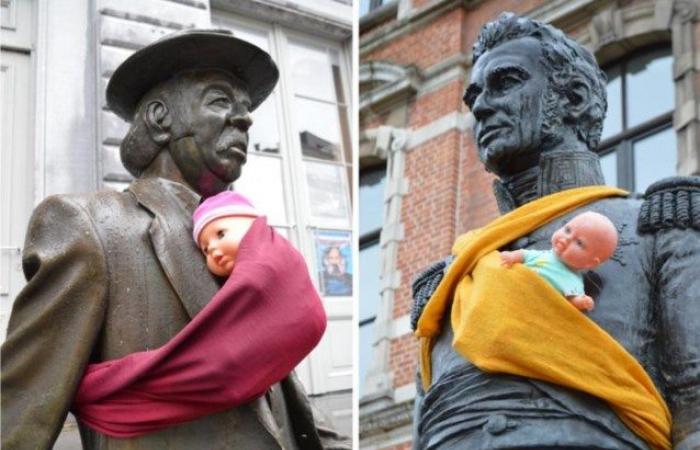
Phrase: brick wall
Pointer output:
(437, 103)
(428, 45)
(403, 360)
(475, 203)
(427, 212)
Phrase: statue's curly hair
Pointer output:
(565, 59)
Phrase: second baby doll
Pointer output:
(583, 243)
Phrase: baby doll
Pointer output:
(583, 243)
(258, 326)
(220, 223)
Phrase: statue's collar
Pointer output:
(557, 171)
(152, 191)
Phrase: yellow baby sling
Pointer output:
(510, 320)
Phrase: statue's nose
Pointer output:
(241, 121)
(481, 109)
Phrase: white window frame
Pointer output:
(296, 193)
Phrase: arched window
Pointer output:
(638, 144)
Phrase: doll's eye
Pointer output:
(567, 230)
(579, 242)
(205, 250)
(221, 234)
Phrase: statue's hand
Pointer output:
(582, 302)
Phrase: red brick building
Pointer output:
(421, 183)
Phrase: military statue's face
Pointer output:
(215, 119)
(506, 95)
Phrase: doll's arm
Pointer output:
(582, 302)
(510, 258)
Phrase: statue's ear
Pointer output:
(578, 96)
(158, 120)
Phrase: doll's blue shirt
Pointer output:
(549, 267)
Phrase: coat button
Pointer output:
(496, 424)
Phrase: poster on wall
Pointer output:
(334, 262)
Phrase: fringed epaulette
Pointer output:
(424, 286)
(671, 203)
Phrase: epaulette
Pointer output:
(671, 203)
(424, 285)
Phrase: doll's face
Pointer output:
(585, 242)
(219, 241)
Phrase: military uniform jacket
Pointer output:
(110, 274)
(647, 297)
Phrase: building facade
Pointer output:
(421, 182)
(59, 136)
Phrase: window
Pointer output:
(299, 162)
(370, 5)
(298, 174)
(371, 198)
(639, 143)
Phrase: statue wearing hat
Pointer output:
(110, 274)
(506, 362)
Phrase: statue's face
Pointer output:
(506, 93)
(214, 118)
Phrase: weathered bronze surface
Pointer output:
(539, 102)
(109, 273)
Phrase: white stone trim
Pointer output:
(378, 385)
(436, 80)
(398, 84)
(401, 326)
(405, 392)
(554, 10)
(334, 23)
(391, 438)
(453, 121)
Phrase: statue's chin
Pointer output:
(506, 162)
(209, 185)
(207, 178)
(497, 160)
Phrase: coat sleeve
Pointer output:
(54, 323)
(312, 427)
(670, 215)
(678, 286)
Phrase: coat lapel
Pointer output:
(172, 205)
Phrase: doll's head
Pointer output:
(220, 223)
(586, 241)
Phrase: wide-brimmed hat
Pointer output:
(188, 50)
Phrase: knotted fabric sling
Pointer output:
(264, 320)
(510, 320)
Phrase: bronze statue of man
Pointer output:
(538, 100)
(113, 273)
